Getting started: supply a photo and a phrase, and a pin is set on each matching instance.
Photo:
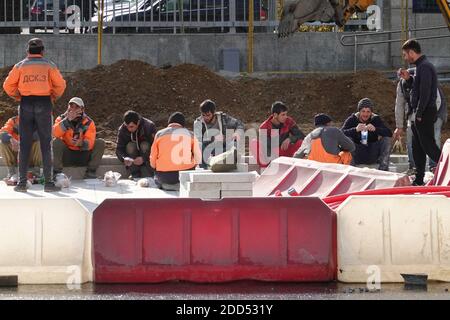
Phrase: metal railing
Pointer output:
(356, 35)
(145, 16)
(138, 15)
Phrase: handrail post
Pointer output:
(356, 54)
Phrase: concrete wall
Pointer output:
(302, 52)
(438, 50)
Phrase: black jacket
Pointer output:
(145, 132)
(349, 128)
(424, 90)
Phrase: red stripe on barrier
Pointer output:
(334, 201)
(270, 239)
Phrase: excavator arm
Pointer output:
(444, 5)
(297, 12)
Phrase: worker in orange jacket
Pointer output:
(326, 143)
(36, 82)
(175, 149)
(9, 147)
(75, 142)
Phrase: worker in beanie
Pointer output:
(326, 143)
(376, 149)
(175, 149)
(36, 82)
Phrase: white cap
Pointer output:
(77, 101)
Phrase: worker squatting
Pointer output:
(32, 139)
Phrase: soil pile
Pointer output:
(109, 91)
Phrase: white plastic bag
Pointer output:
(111, 178)
(147, 183)
(61, 180)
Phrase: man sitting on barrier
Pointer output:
(75, 142)
(134, 142)
(279, 128)
(370, 135)
(175, 149)
(215, 131)
(326, 143)
(9, 148)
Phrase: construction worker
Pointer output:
(281, 128)
(9, 147)
(175, 149)
(423, 106)
(36, 82)
(326, 143)
(75, 142)
(134, 141)
(216, 131)
(370, 135)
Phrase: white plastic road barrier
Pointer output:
(45, 241)
(395, 235)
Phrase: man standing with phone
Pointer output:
(423, 105)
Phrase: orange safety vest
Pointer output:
(319, 154)
(12, 127)
(174, 149)
(86, 132)
(34, 76)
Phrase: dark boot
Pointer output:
(20, 187)
(50, 187)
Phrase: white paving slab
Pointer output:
(209, 176)
(226, 194)
(232, 186)
(90, 192)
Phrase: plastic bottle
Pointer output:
(364, 137)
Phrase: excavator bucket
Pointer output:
(297, 12)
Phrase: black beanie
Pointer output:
(365, 103)
(321, 119)
(177, 117)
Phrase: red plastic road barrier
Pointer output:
(316, 179)
(334, 201)
(442, 172)
(269, 239)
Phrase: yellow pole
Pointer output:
(250, 36)
(404, 35)
(100, 31)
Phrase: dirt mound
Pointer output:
(108, 91)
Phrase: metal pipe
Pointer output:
(359, 34)
(250, 36)
(355, 61)
(100, 31)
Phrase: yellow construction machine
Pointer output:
(297, 12)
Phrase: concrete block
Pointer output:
(231, 186)
(210, 194)
(200, 186)
(209, 176)
(226, 194)
(242, 167)
(398, 158)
